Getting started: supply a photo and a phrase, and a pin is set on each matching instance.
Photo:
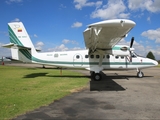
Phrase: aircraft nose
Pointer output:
(155, 62)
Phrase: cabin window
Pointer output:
(77, 56)
(55, 55)
(86, 56)
(108, 56)
(122, 57)
(116, 57)
(97, 56)
(92, 56)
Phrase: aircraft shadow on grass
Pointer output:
(34, 75)
(106, 84)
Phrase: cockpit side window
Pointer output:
(133, 55)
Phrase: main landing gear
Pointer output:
(96, 76)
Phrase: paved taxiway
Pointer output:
(120, 95)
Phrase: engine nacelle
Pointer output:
(120, 50)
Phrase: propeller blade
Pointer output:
(130, 56)
(132, 40)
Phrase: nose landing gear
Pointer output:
(140, 74)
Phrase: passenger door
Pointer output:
(77, 60)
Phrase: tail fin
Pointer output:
(20, 43)
(18, 35)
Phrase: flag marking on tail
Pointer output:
(13, 37)
(19, 29)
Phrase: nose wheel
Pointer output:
(140, 74)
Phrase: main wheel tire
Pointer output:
(140, 74)
(92, 73)
(97, 76)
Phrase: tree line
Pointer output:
(151, 56)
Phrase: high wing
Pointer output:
(106, 34)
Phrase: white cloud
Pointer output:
(66, 41)
(13, 1)
(123, 42)
(4, 51)
(149, 5)
(79, 4)
(64, 46)
(62, 6)
(39, 45)
(77, 25)
(1, 44)
(139, 48)
(16, 20)
(76, 48)
(149, 19)
(35, 35)
(4, 33)
(61, 47)
(152, 35)
(113, 9)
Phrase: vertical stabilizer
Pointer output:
(19, 36)
(22, 48)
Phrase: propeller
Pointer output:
(132, 40)
(131, 44)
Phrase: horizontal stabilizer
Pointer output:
(15, 45)
(8, 45)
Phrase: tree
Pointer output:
(150, 55)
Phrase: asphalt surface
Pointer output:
(120, 95)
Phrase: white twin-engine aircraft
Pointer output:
(101, 52)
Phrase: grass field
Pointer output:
(24, 89)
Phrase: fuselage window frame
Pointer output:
(92, 56)
(97, 56)
(117, 57)
(55, 55)
(122, 57)
(77, 56)
(86, 56)
(107, 56)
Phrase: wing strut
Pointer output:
(94, 38)
(100, 60)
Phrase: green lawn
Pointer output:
(24, 89)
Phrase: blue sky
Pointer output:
(58, 25)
